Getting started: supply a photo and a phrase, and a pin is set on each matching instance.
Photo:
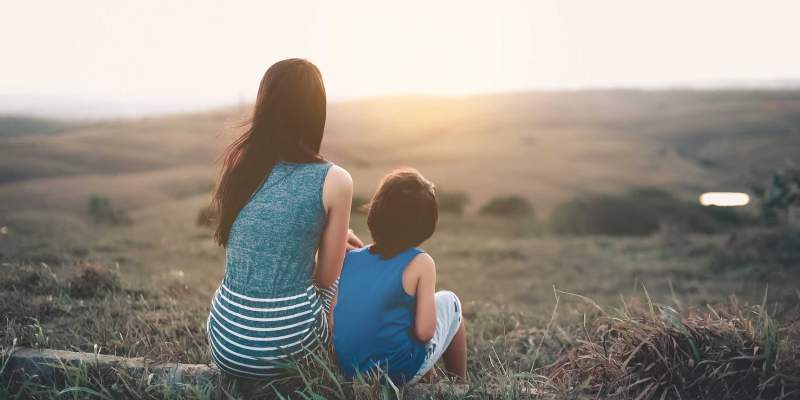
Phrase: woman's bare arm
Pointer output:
(337, 196)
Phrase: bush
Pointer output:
(19, 125)
(205, 217)
(92, 281)
(508, 206)
(760, 254)
(781, 196)
(101, 211)
(360, 205)
(448, 202)
(639, 212)
(452, 202)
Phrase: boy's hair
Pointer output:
(402, 213)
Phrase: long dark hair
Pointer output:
(287, 124)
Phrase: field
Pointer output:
(160, 267)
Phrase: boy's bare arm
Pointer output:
(424, 269)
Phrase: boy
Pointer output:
(387, 314)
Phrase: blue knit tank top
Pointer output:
(374, 317)
(267, 310)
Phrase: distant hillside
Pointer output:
(551, 146)
(547, 146)
(18, 125)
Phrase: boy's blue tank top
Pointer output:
(374, 317)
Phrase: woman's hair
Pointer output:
(402, 213)
(286, 124)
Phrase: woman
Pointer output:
(279, 204)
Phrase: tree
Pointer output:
(780, 198)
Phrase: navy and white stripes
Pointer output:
(253, 337)
(266, 311)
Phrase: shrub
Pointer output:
(19, 125)
(781, 196)
(360, 204)
(101, 211)
(508, 206)
(760, 254)
(92, 281)
(448, 202)
(602, 215)
(452, 202)
(640, 211)
(205, 217)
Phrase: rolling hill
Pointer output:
(546, 146)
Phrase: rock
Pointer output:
(47, 363)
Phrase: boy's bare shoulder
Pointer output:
(423, 262)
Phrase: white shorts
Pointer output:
(448, 319)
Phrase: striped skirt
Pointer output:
(256, 337)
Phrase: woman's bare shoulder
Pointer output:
(338, 187)
(338, 177)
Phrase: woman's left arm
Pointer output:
(337, 197)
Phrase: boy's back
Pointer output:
(374, 316)
(388, 312)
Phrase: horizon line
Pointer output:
(161, 106)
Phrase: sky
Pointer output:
(205, 53)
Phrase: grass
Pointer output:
(82, 306)
(760, 254)
(647, 350)
(639, 350)
(142, 290)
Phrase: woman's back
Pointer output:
(267, 308)
(274, 239)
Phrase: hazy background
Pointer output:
(569, 140)
(110, 58)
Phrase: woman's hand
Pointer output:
(353, 242)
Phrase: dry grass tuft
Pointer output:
(655, 351)
(91, 281)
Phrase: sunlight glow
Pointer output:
(725, 199)
(191, 50)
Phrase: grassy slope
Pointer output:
(730, 351)
(546, 146)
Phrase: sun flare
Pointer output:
(725, 199)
